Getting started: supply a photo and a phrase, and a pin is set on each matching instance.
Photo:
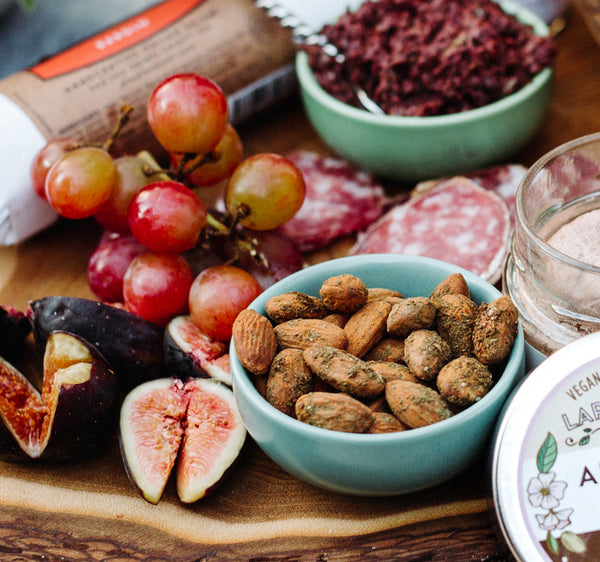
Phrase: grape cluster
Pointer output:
(156, 225)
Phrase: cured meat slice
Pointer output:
(456, 221)
(340, 200)
(503, 180)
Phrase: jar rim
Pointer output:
(520, 212)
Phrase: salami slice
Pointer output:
(340, 200)
(503, 180)
(456, 221)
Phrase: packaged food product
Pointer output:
(79, 92)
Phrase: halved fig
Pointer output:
(132, 346)
(76, 412)
(190, 353)
(195, 424)
(213, 438)
(151, 427)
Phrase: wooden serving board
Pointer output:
(90, 511)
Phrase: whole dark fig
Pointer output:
(132, 346)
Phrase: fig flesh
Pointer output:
(73, 416)
(194, 424)
(132, 346)
(190, 353)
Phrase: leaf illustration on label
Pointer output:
(584, 440)
(551, 543)
(547, 454)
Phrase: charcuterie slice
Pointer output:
(456, 221)
(339, 200)
(503, 179)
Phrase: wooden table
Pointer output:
(90, 511)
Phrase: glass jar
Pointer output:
(553, 270)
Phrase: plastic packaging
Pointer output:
(79, 92)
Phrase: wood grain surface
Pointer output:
(90, 511)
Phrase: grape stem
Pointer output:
(195, 161)
(124, 114)
(242, 241)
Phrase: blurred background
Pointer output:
(26, 37)
(50, 26)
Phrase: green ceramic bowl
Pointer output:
(379, 464)
(417, 148)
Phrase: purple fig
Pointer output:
(76, 412)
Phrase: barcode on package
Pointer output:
(262, 93)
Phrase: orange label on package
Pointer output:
(115, 39)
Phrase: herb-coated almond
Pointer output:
(366, 327)
(334, 410)
(344, 293)
(416, 405)
(289, 378)
(305, 332)
(345, 372)
(425, 353)
(411, 313)
(495, 330)
(254, 339)
(464, 381)
(294, 304)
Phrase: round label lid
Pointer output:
(545, 466)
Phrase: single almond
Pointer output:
(345, 372)
(255, 342)
(416, 405)
(464, 381)
(294, 304)
(305, 332)
(344, 293)
(337, 319)
(455, 284)
(381, 294)
(366, 327)
(391, 371)
(334, 410)
(388, 349)
(495, 330)
(289, 378)
(455, 319)
(425, 353)
(384, 422)
(411, 313)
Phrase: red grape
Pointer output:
(130, 179)
(269, 187)
(167, 216)
(109, 262)
(80, 182)
(188, 113)
(156, 286)
(229, 152)
(218, 295)
(49, 154)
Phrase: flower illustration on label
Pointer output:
(545, 492)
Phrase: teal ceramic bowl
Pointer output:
(377, 464)
(410, 149)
